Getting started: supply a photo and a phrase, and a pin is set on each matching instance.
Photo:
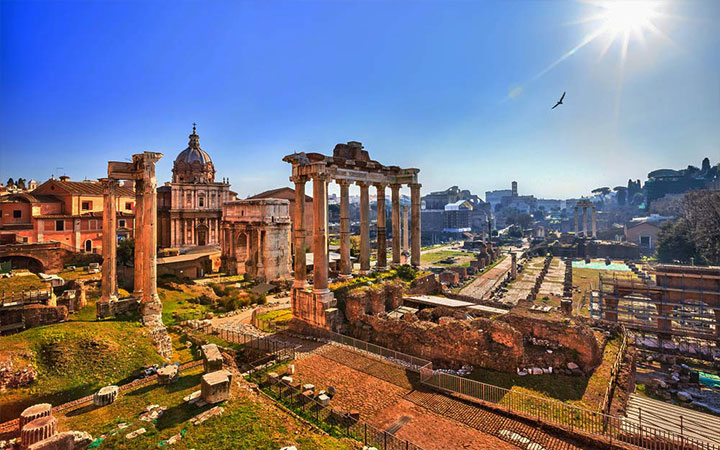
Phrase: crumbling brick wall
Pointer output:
(424, 285)
(36, 315)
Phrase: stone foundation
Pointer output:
(152, 319)
(317, 309)
(447, 338)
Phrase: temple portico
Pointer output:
(349, 164)
(583, 206)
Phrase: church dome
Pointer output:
(193, 165)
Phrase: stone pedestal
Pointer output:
(106, 395)
(212, 358)
(168, 374)
(37, 430)
(35, 412)
(67, 440)
(316, 308)
(215, 386)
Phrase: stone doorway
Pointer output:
(202, 233)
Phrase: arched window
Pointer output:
(201, 201)
(88, 246)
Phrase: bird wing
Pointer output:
(556, 105)
(563, 96)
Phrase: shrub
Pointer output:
(406, 272)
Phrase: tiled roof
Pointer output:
(283, 193)
(81, 188)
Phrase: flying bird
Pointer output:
(559, 101)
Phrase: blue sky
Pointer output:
(421, 83)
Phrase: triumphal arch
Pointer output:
(142, 172)
(349, 164)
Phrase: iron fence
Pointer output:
(335, 421)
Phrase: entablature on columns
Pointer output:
(135, 170)
(340, 169)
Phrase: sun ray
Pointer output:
(588, 39)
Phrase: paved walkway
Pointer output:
(666, 416)
(481, 286)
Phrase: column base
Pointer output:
(112, 298)
(300, 284)
(316, 308)
(345, 276)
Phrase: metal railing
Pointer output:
(562, 415)
(614, 371)
(336, 421)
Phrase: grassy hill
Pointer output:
(74, 359)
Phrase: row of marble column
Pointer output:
(585, 221)
(320, 238)
(145, 269)
(180, 228)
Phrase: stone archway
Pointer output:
(87, 246)
(34, 265)
(241, 252)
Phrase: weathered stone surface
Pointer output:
(35, 412)
(105, 395)
(168, 374)
(67, 440)
(36, 315)
(37, 430)
(215, 386)
(212, 358)
(427, 284)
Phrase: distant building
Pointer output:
(190, 207)
(643, 231)
(495, 197)
(453, 211)
(69, 212)
(668, 181)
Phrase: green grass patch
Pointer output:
(21, 283)
(180, 303)
(244, 424)
(74, 359)
(278, 315)
(554, 386)
(434, 258)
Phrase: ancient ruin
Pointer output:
(256, 239)
(142, 172)
(349, 164)
(583, 206)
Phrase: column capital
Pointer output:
(343, 182)
(109, 183)
(362, 184)
(380, 186)
(395, 186)
(299, 179)
(321, 176)
(414, 185)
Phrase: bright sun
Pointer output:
(628, 15)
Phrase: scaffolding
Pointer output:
(682, 301)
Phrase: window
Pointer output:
(129, 206)
(121, 223)
(25, 239)
(88, 246)
(86, 206)
(645, 241)
(59, 225)
(93, 225)
(17, 213)
(201, 201)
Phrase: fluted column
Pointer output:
(299, 225)
(109, 267)
(381, 232)
(396, 232)
(139, 260)
(364, 228)
(415, 212)
(345, 264)
(320, 248)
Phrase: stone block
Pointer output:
(273, 377)
(105, 395)
(215, 386)
(287, 380)
(35, 412)
(38, 430)
(308, 387)
(212, 358)
(67, 440)
(323, 399)
(168, 374)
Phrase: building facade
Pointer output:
(190, 206)
(69, 212)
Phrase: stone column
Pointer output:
(364, 228)
(405, 228)
(576, 221)
(299, 225)
(397, 232)
(513, 267)
(345, 264)
(594, 223)
(109, 267)
(151, 302)
(139, 260)
(381, 233)
(585, 221)
(415, 211)
(320, 248)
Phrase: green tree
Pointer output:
(675, 243)
(125, 251)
